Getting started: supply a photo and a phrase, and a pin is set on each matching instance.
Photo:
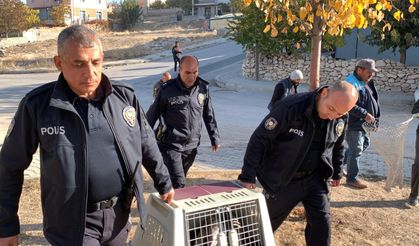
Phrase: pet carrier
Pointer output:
(222, 214)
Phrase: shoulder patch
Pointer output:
(270, 123)
(129, 115)
(339, 128)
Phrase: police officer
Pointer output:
(182, 103)
(164, 78)
(295, 151)
(176, 53)
(286, 87)
(91, 133)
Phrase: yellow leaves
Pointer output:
(412, 2)
(279, 18)
(372, 14)
(247, 2)
(267, 28)
(360, 8)
(303, 13)
(284, 30)
(308, 7)
(380, 16)
(412, 9)
(378, 6)
(360, 21)
(310, 18)
(319, 12)
(295, 29)
(387, 26)
(387, 5)
(351, 20)
(274, 32)
(297, 45)
(398, 15)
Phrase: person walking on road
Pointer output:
(164, 78)
(295, 152)
(176, 54)
(414, 186)
(183, 103)
(93, 136)
(367, 109)
(286, 87)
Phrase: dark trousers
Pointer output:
(176, 60)
(178, 164)
(312, 192)
(415, 172)
(108, 227)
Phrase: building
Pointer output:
(81, 10)
(208, 8)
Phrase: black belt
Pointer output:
(92, 207)
(302, 174)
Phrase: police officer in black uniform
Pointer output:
(295, 151)
(182, 103)
(176, 54)
(91, 135)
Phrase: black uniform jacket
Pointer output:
(46, 117)
(279, 144)
(182, 111)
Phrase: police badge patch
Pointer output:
(270, 123)
(201, 98)
(339, 128)
(129, 115)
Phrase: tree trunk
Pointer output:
(316, 47)
(403, 55)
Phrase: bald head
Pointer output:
(188, 70)
(336, 100)
(166, 76)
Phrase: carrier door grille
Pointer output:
(230, 225)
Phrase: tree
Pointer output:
(317, 17)
(404, 33)
(244, 29)
(186, 5)
(16, 17)
(158, 5)
(127, 15)
(60, 12)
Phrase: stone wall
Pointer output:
(393, 76)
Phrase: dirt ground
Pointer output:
(359, 217)
(151, 38)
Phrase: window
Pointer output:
(82, 15)
(98, 15)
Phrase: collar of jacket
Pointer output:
(359, 79)
(312, 102)
(182, 87)
(60, 98)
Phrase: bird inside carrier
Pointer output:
(221, 214)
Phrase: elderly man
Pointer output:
(367, 109)
(414, 185)
(286, 87)
(183, 103)
(92, 135)
(294, 152)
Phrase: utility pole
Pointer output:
(192, 7)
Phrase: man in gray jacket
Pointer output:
(286, 87)
(92, 135)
